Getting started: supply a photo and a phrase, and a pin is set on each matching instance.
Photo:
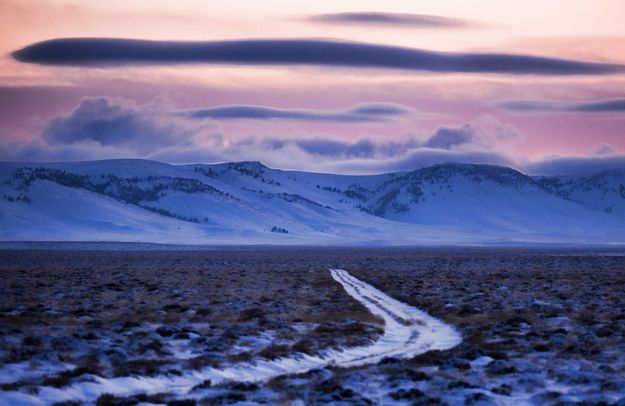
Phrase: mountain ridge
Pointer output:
(249, 203)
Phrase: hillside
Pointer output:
(249, 203)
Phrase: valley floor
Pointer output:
(540, 326)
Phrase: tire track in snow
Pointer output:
(408, 332)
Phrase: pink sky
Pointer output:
(31, 95)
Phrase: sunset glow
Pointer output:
(515, 109)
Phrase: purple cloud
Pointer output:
(366, 112)
(389, 19)
(100, 128)
(576, 165)
(446, 138)
(113, 123)
(119, 51)
(549, 106)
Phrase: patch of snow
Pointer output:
(10, 373)
(480, 362)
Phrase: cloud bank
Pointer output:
(445, 138)
(550, 106)
(389, 19)
(111, 123)
(109, 51)
(576, 165)
(103, 128)
(143, 130)
(422, 157)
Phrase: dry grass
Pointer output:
(528, 309)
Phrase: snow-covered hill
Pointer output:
(601, 191)
(248, 203)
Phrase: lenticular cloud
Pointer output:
(108, 51)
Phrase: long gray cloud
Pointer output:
(443, 139)
(366, 112)
(108, 51)
(576, 165)
(464, 143)
(389, 19)
(548, 106)
(318, 146)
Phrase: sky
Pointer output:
(330, 86)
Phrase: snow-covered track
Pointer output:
(408, 332)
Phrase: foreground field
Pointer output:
(538, 326)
